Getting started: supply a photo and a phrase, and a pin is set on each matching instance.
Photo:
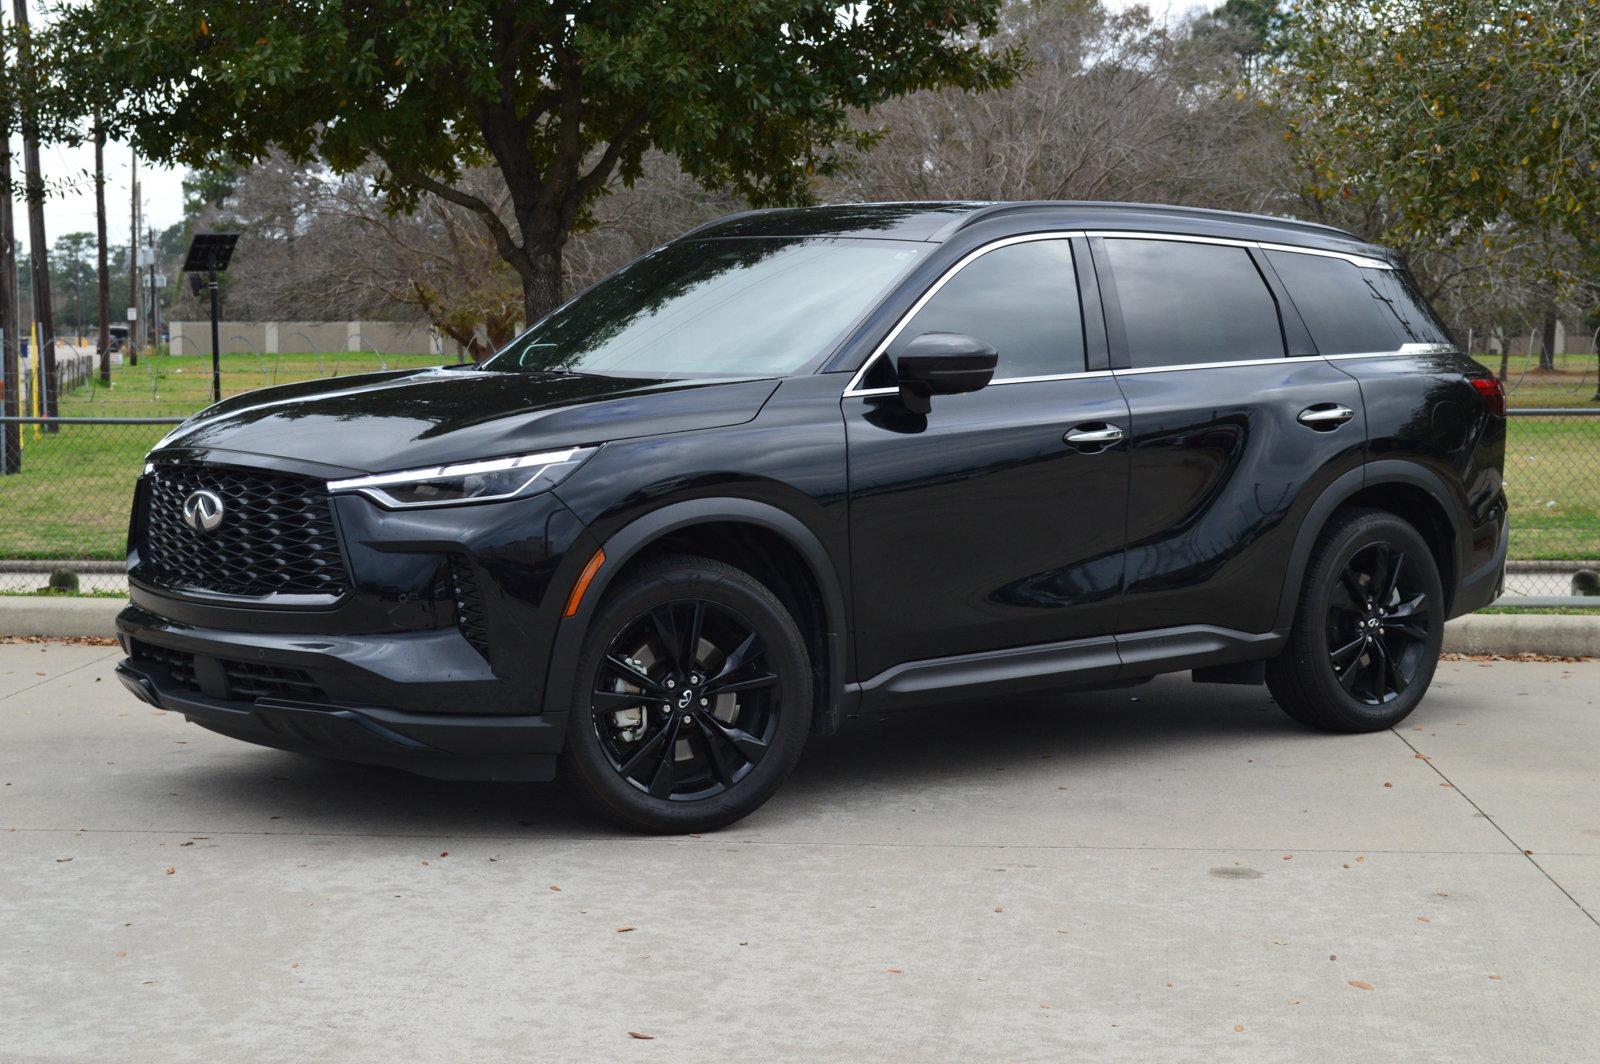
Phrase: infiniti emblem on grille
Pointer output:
(203, 510)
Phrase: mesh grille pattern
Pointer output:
(276, 535)
(469, 603)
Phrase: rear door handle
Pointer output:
(1326, 416)
(1096, 435)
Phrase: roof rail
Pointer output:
(999, 209)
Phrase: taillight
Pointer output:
(1493, 394)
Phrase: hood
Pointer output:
(403, 420)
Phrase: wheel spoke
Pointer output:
(1350, 580)
(737, 658)
(1348, 653)
(666, 773)
(1389, 671)
(645, 753)
(1378, 576)
(631, 674)
(710, 745)
(666, 625)
(1377, 671)
(1410, 631)
(1347, 679)
(611, 701)
(1414, 606)
(752, 748)
(1391, 587)
(754, 683)
(691, 638)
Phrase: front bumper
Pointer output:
(305, 694)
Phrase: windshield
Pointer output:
(714, 308)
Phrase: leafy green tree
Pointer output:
(755, 96)
(1458, 116)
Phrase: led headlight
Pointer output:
(486, 481)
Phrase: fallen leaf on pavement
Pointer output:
(1496, 978)
(1238, 1027)
(1360, 984)
(1388, 785)
(892, 971)
(624, 930)
(170, 870)
(1288, 857)
(554, 887)
(62, 860)
(641, 1036)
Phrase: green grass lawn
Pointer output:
(72, 498)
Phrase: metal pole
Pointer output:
(216, 356)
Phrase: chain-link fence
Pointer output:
(65, 508)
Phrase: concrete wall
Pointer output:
(309, 337)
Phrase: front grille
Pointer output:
(252, 680)
(179, 664)
(469, 603)
(276, 536)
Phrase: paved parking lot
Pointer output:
(1173, 872)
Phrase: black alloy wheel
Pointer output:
(695, 697)
(1379, 623)
(1368, 626)
(685, 705)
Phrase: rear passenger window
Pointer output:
(1344, 313)
(1021, 300)
(1184, 302)
(1417, 322)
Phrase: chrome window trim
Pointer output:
(854, 389)
(1362, 261)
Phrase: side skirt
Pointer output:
(1218, 654)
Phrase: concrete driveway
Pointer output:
(1173, 872)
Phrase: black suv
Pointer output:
(801, 462)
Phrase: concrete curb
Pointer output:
(61, 617)
(1505, 634)
(1559, 635)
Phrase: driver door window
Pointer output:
(1020, 299)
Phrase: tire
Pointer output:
(1367, 631)
(665, 739)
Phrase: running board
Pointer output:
(1076, 663)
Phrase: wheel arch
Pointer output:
(773, 545)
(1406, 489)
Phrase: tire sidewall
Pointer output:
(786, 655)
(1360, 535)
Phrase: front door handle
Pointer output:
(1094, 436)
(1325, 416)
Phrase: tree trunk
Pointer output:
(1505, 355)
(102, 272)
(10, 363)
(1547, 341)
(542, 278)
(39, 253)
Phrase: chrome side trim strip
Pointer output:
(857, 392)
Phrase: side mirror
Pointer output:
(938, 363)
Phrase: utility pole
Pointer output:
(10, 363)
(39, 253)
(133, 269)
(102, 275)
(155, 306)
